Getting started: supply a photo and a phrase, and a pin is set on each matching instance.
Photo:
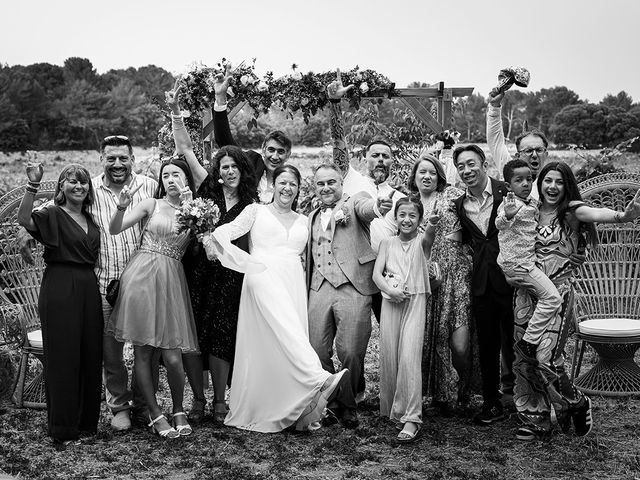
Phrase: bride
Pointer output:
(278, 380)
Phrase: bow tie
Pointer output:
(324, 208)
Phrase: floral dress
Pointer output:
(450, 305)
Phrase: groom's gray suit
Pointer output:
(339, 275)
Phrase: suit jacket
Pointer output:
(486, 272)
(351, 242)
(223, 137)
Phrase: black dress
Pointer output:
(72, 327)
(215, 290)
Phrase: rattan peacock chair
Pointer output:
(607, 308)
(19, 288)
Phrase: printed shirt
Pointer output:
(517, 236)
(115, 250)
(479, 210)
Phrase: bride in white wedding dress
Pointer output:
(278, 380)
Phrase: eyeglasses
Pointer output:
(529, 151)
(115, 137)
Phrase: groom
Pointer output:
(339, 275)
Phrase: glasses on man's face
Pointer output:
(115, 137)
(530, 151)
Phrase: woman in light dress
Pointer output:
(278, 381)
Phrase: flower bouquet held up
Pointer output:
(507, 77)
(198, 216)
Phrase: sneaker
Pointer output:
(526, 350)
(528, 434)
(121, 421)
(489, 414)
(582, 418)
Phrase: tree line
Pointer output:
(52, 107)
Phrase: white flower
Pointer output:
(364, 88)
(244, 80)
(262, 86)
(339, 216)
(357, 77)
(296, 76)
(304, 101)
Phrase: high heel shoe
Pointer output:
(220, 411)
(167, 432)
(184, 429)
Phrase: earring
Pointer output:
(220, 181)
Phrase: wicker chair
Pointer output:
(19, 288)
(607, 308)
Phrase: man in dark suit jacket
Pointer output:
(492, 297)
(340, 279)
(276, 146)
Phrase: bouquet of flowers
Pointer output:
(198, 216)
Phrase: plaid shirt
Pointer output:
(115, 250)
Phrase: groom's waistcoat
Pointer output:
(325, 266)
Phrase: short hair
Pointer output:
(280, 137)
(82, 175)
(468, 148)
(442, 177)
(536, 133)
(328, 166)
(411, 200)
(247, 187)
(116, 141)
(510, 166)
(287, 168)
(378, 141)
(182, 164)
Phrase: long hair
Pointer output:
(441, 176)
(82, 175)
(287, 168)
(247, 187)
(571, 194)
(182, 165)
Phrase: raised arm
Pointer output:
(34, 174)
(587, 214)
(181, 137)
(335, 91)
(120, 222)
(221, 128)
(495, 134)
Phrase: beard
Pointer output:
(379, 173)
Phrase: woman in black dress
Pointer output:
(215, 290)
(69, 304)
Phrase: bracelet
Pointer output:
(429, 222)
(121, 208)
(34, 184)
(176, 117)
(31, 189)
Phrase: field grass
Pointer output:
(451, 448)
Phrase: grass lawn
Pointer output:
(451, 448)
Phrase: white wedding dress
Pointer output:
(277, 376)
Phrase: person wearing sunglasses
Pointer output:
(531, 145)
(276, 146)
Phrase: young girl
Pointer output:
(401, 273)
(153, 309)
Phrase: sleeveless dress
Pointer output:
(153, 306)
(277, 374)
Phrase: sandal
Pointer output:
(184, 429)
(406, 436)
(167, 432)
(220, 411)
(196, 414)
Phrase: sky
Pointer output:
(590, 47)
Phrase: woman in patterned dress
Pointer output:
(446, 355)
(565, 226)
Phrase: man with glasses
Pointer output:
(276, 146)
(531, 146)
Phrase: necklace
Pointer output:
(171, 204)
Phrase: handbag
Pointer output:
(113, 289)
(435, 276)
